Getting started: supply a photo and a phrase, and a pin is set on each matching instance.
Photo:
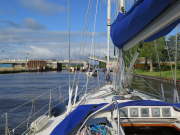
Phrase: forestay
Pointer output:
(139, 16)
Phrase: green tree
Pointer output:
(149, 51)
(63, 65)
(102, 65)
(171, 42)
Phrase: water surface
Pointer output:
(19, 88)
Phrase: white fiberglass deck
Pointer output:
(54, 121)
(103, 95)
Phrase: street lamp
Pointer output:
(2, 54)
(29, 54)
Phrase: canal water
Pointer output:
(21, 88)
(5, 65)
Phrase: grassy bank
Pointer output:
(5, 70)
(164, 74)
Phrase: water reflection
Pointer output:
(139, 83)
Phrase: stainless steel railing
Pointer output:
(118, 114)
(119, 128)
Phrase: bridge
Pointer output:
(112, 61)
(54, 63)
(20, 61)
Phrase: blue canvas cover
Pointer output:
(71, 123)
(140, 15)
(58, 110)
(136, 103)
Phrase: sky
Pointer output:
(40, 28)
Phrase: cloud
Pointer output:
(46, 44)
(1, 11)
(12, 11)
(41, 52)
(42, 6)
(12, 24)
(32, 24)
(27, 36)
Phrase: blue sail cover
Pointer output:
(140, 15)
(72, 121)
(136, 103)
(71, 124)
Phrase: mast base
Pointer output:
(121, 91)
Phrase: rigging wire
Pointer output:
(144, 80)
(81, 42)
(86, 35)
(169, 58)
(69, 47)
(121, 72)
(119, 75)
(99, 38)
(158, 59)
(48, 109)
(92, 45)
(114, 70)
(42, 108)
(159, 70)
(37, 113)
(30, 100)
(70, 90)
(175, 59)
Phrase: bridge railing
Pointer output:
(13, 60)
(100, 58)
(48, 60)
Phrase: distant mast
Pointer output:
(108, 36)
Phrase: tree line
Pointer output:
(163, 44)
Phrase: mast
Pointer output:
(93, 48)
(70, 90)
(122, 4)
(93, 32)
(108, 36)
(176, 97)
(121, 53)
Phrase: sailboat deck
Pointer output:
(54, 121)
(101, 96)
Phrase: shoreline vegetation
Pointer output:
(164, 74)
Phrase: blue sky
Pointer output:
(40, 27)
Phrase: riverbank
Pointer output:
(5, 70)
(164, 74)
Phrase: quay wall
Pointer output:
(165, 80)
